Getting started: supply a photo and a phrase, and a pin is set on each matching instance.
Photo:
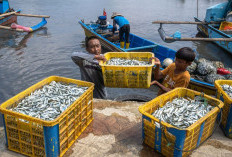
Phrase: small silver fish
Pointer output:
(181, 112)
(50, 101)
(228, 89)
(121, 61)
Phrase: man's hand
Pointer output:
(100, 57)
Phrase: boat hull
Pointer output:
(203, 29)
(211, 32)
(136, 43)
(8, 20)
(207, 89)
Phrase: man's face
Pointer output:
(94, 47)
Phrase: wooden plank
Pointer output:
(30, 15)
(7, 14)
(182, 22)
(198, 39)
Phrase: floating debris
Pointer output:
(121, 61)
(50, 101)
(182, 112)
(228, 89)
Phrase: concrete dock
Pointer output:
(116, 131)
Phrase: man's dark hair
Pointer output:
(87, 39)
(186, 53)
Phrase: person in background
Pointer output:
(175, 75)
(89, 66)
(124, 28)
(229, 17)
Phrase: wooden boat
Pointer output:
(5, 8)
(217, 14)
(140, 44)
(5, 21)
(8, 17)
(104, 34)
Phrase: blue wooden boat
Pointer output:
(104, 34)
(5, 8)
(140, 44)
(217, 14)
(136, 43)
(9, 16)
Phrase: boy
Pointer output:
(175, 75)
(89, 65)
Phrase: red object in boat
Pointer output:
(223, 71)
(104, 13)
(228, 28)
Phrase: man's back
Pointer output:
(121, 21)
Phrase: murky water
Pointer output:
(26, 59)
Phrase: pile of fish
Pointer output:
(50, 101)
(205, 70)
(228, 89)
(121, 61)
(183, 112)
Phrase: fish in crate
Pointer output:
(177, 122)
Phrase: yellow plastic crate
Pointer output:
(170, 140)
(127, 76)
(224, 25)
(226, 122)
(35, 137)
